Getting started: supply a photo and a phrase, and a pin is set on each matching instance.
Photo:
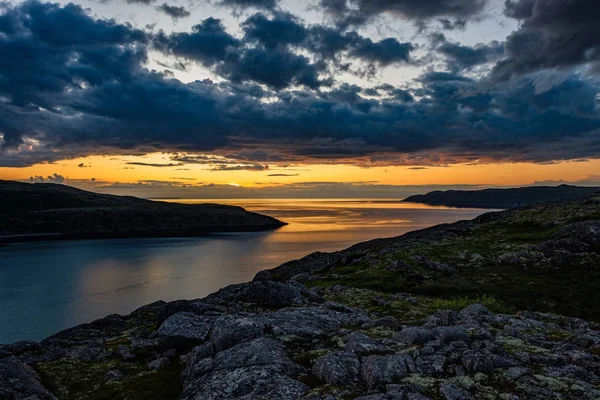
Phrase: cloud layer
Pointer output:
(281, 98)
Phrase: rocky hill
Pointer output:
(503, 198)
(463, 311)
(51, 211)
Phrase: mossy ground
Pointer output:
(569, 288)
(70, 379)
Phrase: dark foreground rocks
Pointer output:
(273, 340)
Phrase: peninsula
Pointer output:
(44, 211)
(503, 198)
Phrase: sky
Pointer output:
(317, 98)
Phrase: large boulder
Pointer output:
(265, 294)
(383, 370)
(311, 321)
(338, 368)
(257, 369)
(415, 335)
(186, 327)
(230, 330)
(18, 381)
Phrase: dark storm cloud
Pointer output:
(357, 12)
(266, 4)
(64, 95)
(552, 33)
(267, 55)
(460, 57)
(324, 42)
(173, 11)
(208, 43)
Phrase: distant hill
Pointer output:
(503, 198)
(34, 211)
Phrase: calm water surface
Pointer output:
(49, 286)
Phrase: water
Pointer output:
(46, 287)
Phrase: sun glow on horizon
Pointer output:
(127, 174)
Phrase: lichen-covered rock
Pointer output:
(230, 330)
(311, 321)
(338, 368)
(415, 335)
(383, 370)
(186, 326)
(360, 343)
(250, 383)
(452, 392)
(19, 382)
(430, 365)
(266, 294)
(257, 369)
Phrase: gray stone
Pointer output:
(474, 311)
(249, 383)
(186, 326)
(452, 392)
(483, 361)
(254, 369)
(415, 335)
(430, 365)
(311, 321)
(229, 330)
(338, 368)
(159, 363)
(267, 294)
(363, 344)
(125, 353)
(113, 375)
(447, 334)
(18, 381)
(383, 370)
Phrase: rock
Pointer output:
(360, 343)
(251, 383)
(444, 269)
(430, 365)
(338, 368)
(448, 334)
(257, 369)
(266, 294)
(186, 327)
(159, 363)
(473, 311)
(230, 330)
(484, 361)
(260, 351)
(113, 375)
(18, 381)
(125, 353)
(415, 335)
(387, 322)
(452, 392)
(383, 370)
(311, 321)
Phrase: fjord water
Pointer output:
(49, 286)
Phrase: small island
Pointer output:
(51, 211)
(503, 198)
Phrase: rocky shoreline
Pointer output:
(333, 326)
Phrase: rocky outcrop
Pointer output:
(18, 381)
(316, 349)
